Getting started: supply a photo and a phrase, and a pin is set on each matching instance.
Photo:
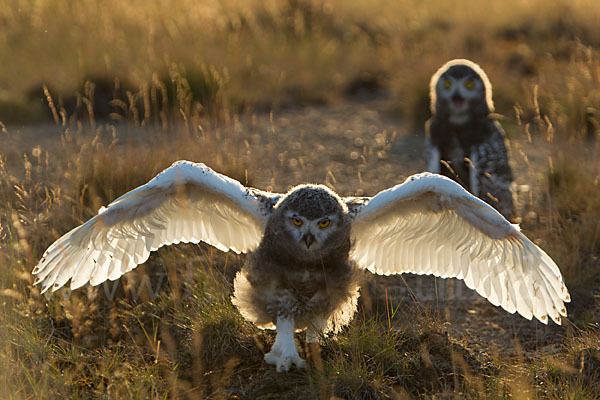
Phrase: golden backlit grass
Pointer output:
(271, 53)
(185, 72)
(171, 331)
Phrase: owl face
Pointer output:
(310, 235)
(314, 221)
(460, 91)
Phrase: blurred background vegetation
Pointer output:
(104, 84)
(244, 55)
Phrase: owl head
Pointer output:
(312, 222)
(460, 91)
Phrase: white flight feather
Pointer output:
(187, 202)
(431, 225)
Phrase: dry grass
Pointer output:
(244, 55)
(186, 74)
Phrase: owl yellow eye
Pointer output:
(324, 224)
(469, 85)
(296, 221)
(447, 84)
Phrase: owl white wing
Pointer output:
(431, 225)
(186, 202)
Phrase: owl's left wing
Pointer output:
(187, 202)
(431, 225)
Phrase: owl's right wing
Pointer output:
(431, 225)
(186, 202)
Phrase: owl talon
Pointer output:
(284, 364)
(299, 363)
(272, 357)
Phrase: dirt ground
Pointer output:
(358, 148)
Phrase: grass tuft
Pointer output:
(125, 89)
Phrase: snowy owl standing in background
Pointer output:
(309, 245)
(466, 144)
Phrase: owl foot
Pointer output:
(284, 362)
(284, 352)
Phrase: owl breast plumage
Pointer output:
(301, 268)
(465, 142)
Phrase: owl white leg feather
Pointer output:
(284, 352)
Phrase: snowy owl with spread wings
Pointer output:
(465, 142)
(308, 246)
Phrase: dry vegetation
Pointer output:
(129, 87)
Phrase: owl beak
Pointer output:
(309, 239)
(457, 99)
